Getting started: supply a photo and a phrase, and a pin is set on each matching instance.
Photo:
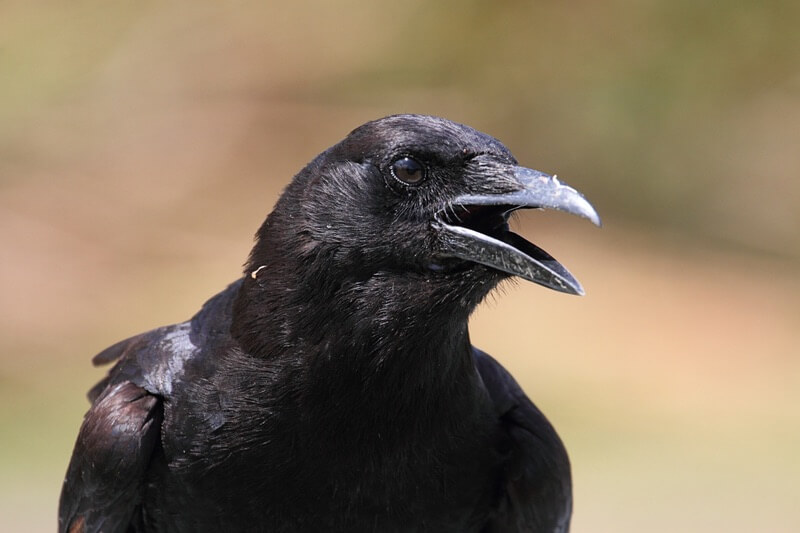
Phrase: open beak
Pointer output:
(474, 227)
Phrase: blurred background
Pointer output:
(142, 143)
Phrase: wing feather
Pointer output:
(105, 478)
(536, 487)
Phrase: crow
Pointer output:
(334, 386)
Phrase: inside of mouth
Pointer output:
(486, 219)
(492, 220)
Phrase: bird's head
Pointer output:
(420, 196)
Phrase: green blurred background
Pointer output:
(142, 143)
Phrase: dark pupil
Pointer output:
(407, 170)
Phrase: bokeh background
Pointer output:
(142, 143)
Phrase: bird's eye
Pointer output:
(408, 170)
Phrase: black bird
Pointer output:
(334, 387)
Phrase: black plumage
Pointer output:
(334, 387)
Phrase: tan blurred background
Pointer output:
(142, 143)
